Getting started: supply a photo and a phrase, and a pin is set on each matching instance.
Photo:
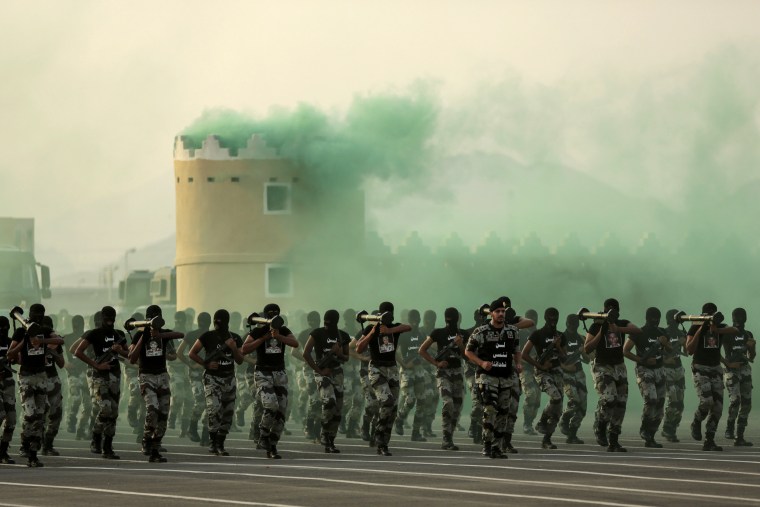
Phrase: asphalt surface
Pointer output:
(418, 473)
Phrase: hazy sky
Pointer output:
(93, 93)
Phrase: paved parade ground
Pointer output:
(418, 473)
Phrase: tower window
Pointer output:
(235, 179)
(279, 281)
(210, 179)
(190, 180)
(277, 198)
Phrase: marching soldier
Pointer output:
(475, 431)
(530, 390)
(353, 396)
(149, 347)
(574, 382)
(107, 344)
(428, 404)
(195, 378)
(79, 394)
(7, 393)
(739, 351)
(675, 382)
(331, 346)
(54, 407)
(413, 380)
(382, 342)
(371, 405)
(219, 384)
(308, 405)
(181, 397)
(650, 375)
(703, 342)
(30, 346)
(610, 375)
(448, 365)
(550, 352)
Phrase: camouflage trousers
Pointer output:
(708, 382)
(451, 388)
(550, 382)
(675, 386)
(220, 393)
(94, 409)
(135, 404)
(245, 396)
(33, 391)
(54, 407)
(531, 396)
(353, 397)
(371, 406)
(476, 412)
(258, 409)
(107, 390)
(198, 394)
(181, 397)
(272, 390)
(307, 395)
(739, 387)
(611, 383)
(651, 382)
(496, 394)
(330, 391)
(515, 390)
(7, 408)
(156, 392)
(420, 392)
(79, 397)
(574, 386)
(385, 384)
(430, 406)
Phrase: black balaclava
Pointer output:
(5, 326)
(739, 317)
(451, 316)
(107, 317)
(611, 303)
(222, 320)
(551, 317)
(204, 320)
(414, 318)
(48, 322)
(153, 311)
(77, 324)
(670, 317)
(572, 322)
(331, 319)
(180, 321)
(653, 316)
(36, 313)
(312, 319)
(273, 309)
(709, 308)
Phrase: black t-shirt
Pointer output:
(152, 352)
(325, 339)
(735, 346)
(609, 349)
(707, 352)
(523, 336)
(496, 346)
(5, 344)
(101, 340)
(675, 336)
(51, 367)
(409, 345)
(442, 337)
(32, 359)
(573, 347)
(215, 340)
(270, 355)
(189, 340)
(382, 348)
(648, 343)
(542, 340)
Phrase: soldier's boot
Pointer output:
(155, 454)
(448, 442)
(416, 435)
(652, 432)
(740, 442)
(508, 447)
(427, 430)
(96, 445)
(572, 436)
(460, 427)
(212, 443)
(220, 450)
(32, 460)
(730, 430)
(614, 444)
(486, 449)
(398, 426)
(240, 418)
(382, 450)
(272, 452)
(365, 429)
(71, 425)
(184, 428)
(497, 454)
(47, 447)
(351, 430)
(205, 437)
(546, 443)
(709, 444)
(696, 430)
(5, 459)
(108, 448)
(372, 435)
(192, 431)
(477, 437)
(600, 432)
(147, 445)
(541, 425)
(330, 446)
(669, 432)
(470, 429)
(528, 428)
(23, 450)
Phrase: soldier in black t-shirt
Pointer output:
(331, 347)
(79, 395)
(307, 403)
(574, 382)
(650, 375)
(7, 393)
(739, 351)
(219, 383)
(30, 347)
(610, 375)
(271, 378)
(54, 361)
(149, 347)
(703, 342)
(675, 382)
(108, 345)
(353, 401)
(448, 363)
(550, 352)
(530, 391)
(382, 342)
(475, 431)
(494, 348)
(414, 386)
(195, 378)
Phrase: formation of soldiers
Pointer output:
(365, 378)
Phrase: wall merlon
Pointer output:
(212, 149)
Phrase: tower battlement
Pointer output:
(211, 149)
